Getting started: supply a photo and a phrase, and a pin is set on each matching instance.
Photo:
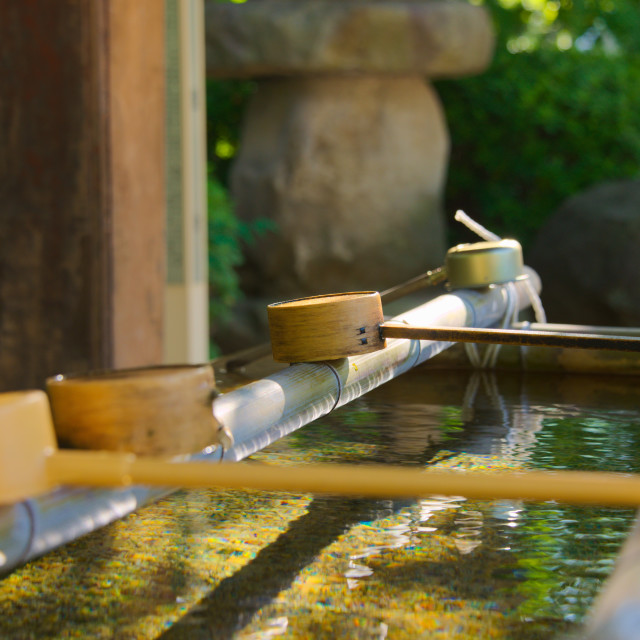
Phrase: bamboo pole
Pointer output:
(376, 481)
(527, 338)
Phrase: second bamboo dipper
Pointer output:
(346, 324)
(340, 325)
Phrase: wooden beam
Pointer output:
(136, 94)
(81, 186)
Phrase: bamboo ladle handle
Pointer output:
(376, 481)
(427, 279)
(512, 337)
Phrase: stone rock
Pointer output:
(351, 171)
(588, 258)
(284, 37)
(344, 144)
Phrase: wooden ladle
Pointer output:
(467, 266)
(340, 325)
(31, 464)
(163, 410)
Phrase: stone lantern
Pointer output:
(344, 144)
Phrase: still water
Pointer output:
(205, 564)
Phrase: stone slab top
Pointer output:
(433, 38)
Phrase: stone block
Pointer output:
(284, 37)
(351, 171)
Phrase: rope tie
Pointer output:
(338, 380)
(510, 316)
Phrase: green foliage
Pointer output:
(535, 129)
(227, 233)
(556, 112)
(226, 100)
(606, 25)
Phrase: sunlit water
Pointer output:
(202, 564)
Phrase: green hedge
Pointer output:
(226, 102)
(535, 129)
(227, 233)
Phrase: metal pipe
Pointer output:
(256, 415)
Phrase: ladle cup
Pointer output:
(162, 410)
(468, 266)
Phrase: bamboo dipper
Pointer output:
(31, 464)
(162, 410)
(346, 324)
(467, 266)
(340, 325)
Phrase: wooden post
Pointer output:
(186, 318)
(82, 198)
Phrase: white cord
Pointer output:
(509, 317)
(471, 349)
(511, 313)
(476, 227)
(536, 303)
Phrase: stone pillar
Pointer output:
(352, 180)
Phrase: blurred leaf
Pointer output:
(226, 235)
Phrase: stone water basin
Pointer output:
(231, 564)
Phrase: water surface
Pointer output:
(206, 564)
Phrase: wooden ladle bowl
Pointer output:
(326, 327)
(164, 410)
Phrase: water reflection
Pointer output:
(301, 567)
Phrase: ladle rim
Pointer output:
(127, 375)
(323, 298)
